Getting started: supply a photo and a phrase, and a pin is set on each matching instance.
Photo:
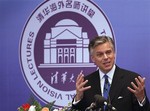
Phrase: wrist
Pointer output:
(141, 98)
(141, 103)
(78, 97)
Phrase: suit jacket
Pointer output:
(120, 97)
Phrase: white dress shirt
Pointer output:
(110, 75)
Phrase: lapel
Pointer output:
(117, 83)
(95, 83)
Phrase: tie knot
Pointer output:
(106, 79)
(105, 76)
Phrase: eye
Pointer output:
(99, 54)
(108, 52)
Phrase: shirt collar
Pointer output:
(110, 74)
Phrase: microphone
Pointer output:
(101, 101)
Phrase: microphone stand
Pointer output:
(109, 106)
(109, 102)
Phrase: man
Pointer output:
(127, 89)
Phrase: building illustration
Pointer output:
(66, 46)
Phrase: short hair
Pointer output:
(100, 40)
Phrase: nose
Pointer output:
(105, 56)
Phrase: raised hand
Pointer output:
(80, 83)
(138, 90)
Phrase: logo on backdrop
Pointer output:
(54, 47)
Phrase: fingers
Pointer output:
(140, 83)
(80, 80)
(80, 77)
(131, 90)
(80, 86)
(80, 83)
(135, 88)
(138, 90)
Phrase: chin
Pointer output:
(108, 69)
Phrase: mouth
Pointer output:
(106, 64)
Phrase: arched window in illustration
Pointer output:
(72, 55)
(60, 59)
(72, 59)
(66, 55)
(60, 55)
(66, 59)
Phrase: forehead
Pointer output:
(104, 47)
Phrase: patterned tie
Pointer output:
(106, 87)
(106, 90)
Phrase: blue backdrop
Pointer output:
(131, 24)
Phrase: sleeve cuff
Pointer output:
(142, 102)
(75, 102)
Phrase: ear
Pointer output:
(92, 58)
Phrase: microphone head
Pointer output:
(99, 101)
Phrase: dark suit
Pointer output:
(121, 98)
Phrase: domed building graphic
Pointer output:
(66, 46)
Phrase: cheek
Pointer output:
(113, 58)
(97, 60)
(94, 59)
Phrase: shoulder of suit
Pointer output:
(92, 75)
(126, 72)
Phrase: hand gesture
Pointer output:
(138, 90)
(80, 83)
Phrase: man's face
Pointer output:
(104, 57)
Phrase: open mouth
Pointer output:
(107, 64)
